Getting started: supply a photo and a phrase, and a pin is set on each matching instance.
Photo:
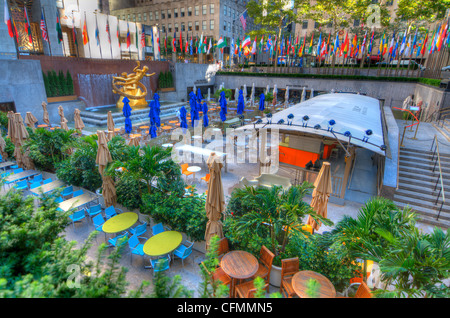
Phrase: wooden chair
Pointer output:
(218, 275)
(184, 171)
(223, 247)
(362, 292)
(289, 267)
(265, 264)
(247, 289)
(206, 178)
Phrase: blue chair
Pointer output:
(67, 191)
(183, 251)
(46, 181)
(21, 185)
(37, 178)
(1, 158)
(34, 185)
(111, 211)
(77, 193)
(19, 170)
(14, 167)
(115, 240)
(160, 264)
(77, 217)
(98, 221)
(157, 228)
(139, 230)
(94, 210)
(5, 174)
(59, 200)
(135, 246)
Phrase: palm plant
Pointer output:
(147, 163)
(277, 213)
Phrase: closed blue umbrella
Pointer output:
(183, 120)
(261, 101)
(127, 113)
(240, 105)
(157, 110)
(205, 115)
(152, 131)
(193, 105)
(199, 95)
(223, 106)
(151, 113)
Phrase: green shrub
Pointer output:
(69, 83)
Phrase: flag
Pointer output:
(109, 35)
(8, 20)
(246, 41)
(346, 46)
(97, 35)
(186, 45)
(143, 36)
(174, 42)
(442, 37)
(43, 28)
(319, 44)
(268, 44)
(261, 43)
(58, 28)
(209, 46)
(181, 42)
(128, 36)
(246, 50)
(403, 45)
(232, 47)
(191, 47)
(74, 32)
(408, 47)
(311, 44)
(222, 43)
(27, 25)
(369, 51)
(243, 19)
(254, 47)
(204, 47)
(391, 46)
(200, 45)
(85, 34)
(363, 45)
(336, 43)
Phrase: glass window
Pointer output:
(163, 28)
(224, 26)
(183, 27)
(139, 17)
(204, 9)
(169, 27)
(189, 26)
(204, 25)
(175, 13)
(189, 11)
(229, 27)
(176, 27)
(316, 25)
(128, 17)
(305, 24)
(182, 12)
(211, 24)
(197, 10)
(169, 14)
(356, 22)
(234, 14)
(197, 26)
(156, 15)
(145, 16)
(163, 14)
(211, 8)
(224, 10)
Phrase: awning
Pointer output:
(356, 118)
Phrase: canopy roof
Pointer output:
(354, 114)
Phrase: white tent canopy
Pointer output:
(352, 113)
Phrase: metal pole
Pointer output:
(98, 35)
(87, 34)
(48, 35)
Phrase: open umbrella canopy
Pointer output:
(183, 120)
(215, 202)
(321, 194)
(127, 114)
(205, 115)
(240, 105)
(102, 159)
(223, 106)
(63, 119)
(45, 118)
(79, 125)
(262, 99)
(30, 120)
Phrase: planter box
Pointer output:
(62, 99)
(168, 89)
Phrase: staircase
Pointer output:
(417, 183)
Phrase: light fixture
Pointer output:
(305, 121)
(317, 127)
(269, 118)
(290, 118)
(280, 122)
(367, 135)
(331, 123)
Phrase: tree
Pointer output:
(69, 83)
(61, 84)
(273, 16)
(425, 11)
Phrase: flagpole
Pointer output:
(15, 36)
(109, 35)
(74, 33)
(97, 34)
(29, 25)
(87, 34)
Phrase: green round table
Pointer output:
(162, 243)
(120, 222)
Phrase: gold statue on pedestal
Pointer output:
(129, 85)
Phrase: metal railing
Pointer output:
(415, 121)
(437, 161)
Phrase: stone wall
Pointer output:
(433, 99)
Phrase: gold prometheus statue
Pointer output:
(129, 85)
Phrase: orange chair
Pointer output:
(184, 171)
(247, 289)
(289, 267)
(362, 292)
(206, 178)
(218, 275)
(223, 247)
(265, 264)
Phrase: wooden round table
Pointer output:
(238, 265)
(173, 122)
(120, 222)
(42, 126)
(162, 243)
(300, 285)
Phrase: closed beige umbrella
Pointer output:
(111, 126)
(103, 158)
(2, 148)
(45, 118)
(134, 141)
(79, 125)
(20, 135)
(321, 194)
(63, 119)
(11, 125)
(30, 120)
(215, 202)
